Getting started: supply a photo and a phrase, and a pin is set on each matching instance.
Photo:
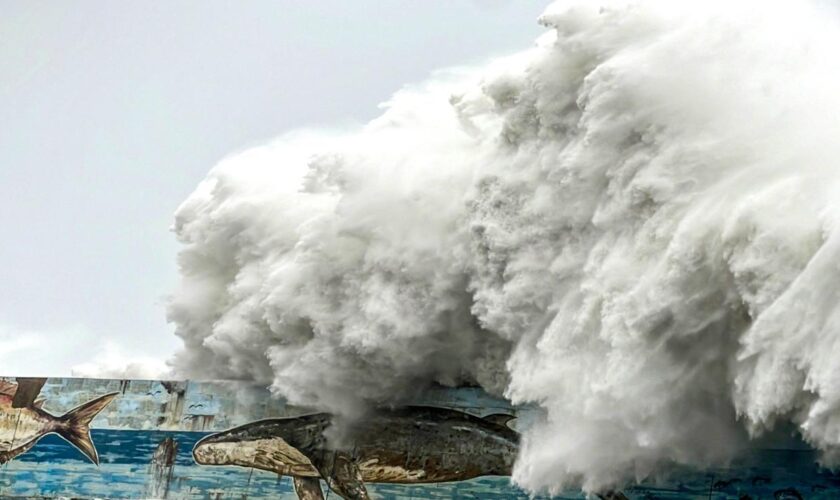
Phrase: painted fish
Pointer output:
(411, 445)
(21, 428)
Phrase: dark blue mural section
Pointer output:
(179, 440)
(52, 468)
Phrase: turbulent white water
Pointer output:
(632, 225)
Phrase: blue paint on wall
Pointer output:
(129, 431)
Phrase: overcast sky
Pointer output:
(112, 112)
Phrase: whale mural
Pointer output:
(181, 440)
(412, 445)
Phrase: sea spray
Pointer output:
(631, 225)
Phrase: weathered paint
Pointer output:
(410, 445)
(146, 435)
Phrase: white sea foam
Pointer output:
(631, 225)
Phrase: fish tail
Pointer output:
(74, 426)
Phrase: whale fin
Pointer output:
(308, 488)
(500, 419)
(341, 474)
(5, 456)
(27, 390)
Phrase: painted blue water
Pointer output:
(54, 468)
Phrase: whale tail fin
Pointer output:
(74, 426)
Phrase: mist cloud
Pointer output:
(631, 225)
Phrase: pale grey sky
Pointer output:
(112, 112)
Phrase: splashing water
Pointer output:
(632, 225)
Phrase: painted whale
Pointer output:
(409, 445)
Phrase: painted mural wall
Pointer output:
(87, 438)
